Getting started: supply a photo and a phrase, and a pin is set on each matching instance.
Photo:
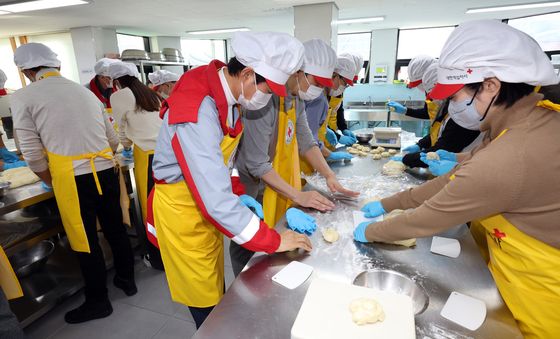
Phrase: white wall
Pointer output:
(384, 50)
(90, 45)
(315, 21)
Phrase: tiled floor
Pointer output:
(148, 314)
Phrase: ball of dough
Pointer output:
(385, 154)
(376, 156)
(375, 151)
(353, 150)
(381, 149)
(330, 235)
(363, 154)
(366, 311)
(393, 168)
(432, 156)
(393, 151)
(356, 145)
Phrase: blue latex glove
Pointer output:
(373, 209)
(300, 222)
(252, 204)
(331, 137)
(46, 187)
(127, 153)
(412, 149)
(397, 158)
(350, 134)
(8, 156)
(439, 167)
(347, 141)
(335, 156)
(360, 232)
(397, 107)
(10, 165)
(445, 155)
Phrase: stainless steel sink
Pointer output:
(393, 281)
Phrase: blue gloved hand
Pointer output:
(46, 187)
(350, 134)
(331, 137)
(397, 158)
(439, 167)
(445, 155)
(8, 156)
(10, 165)
(373, 209)
(347, 141)
(335, 156)
(360, 232)
(412, 149)
(397, 107)
(127, 153)
(300, 222)
(252, 204)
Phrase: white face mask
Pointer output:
(337, 92)
(257, 101)
(312, 93)
(464, 113)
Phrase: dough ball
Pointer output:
(392, 151)
(393, 168)
(375, 151)
(381, 149)
(385, 154)
(376, 156)
(353, 150)
(356, 145)
(363, 154)
(432, 156)
(406, 242)
(366, 311)
(330, 235)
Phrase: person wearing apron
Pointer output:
(67, 141)
(197, 199)
(445, 133)
(274, 139)
(136, 108)
(163, 82)
(509, 184)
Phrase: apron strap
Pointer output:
(106, 154)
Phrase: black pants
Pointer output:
(240, 256)
(107, 209)
(200, 314)
(9, 325)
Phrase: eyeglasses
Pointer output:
(344, 83)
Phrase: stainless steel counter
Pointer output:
(256, 307)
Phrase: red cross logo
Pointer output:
(498, 234)
(289, 131)
(469, 71)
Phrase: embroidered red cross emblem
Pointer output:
(289, 132)
(469, 71)
(498, 234)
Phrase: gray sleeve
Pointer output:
(29, 139)
(316, 111)
(200, 143)
(303, 133)
(258, 127)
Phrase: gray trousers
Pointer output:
(9, 325)
(240, 256)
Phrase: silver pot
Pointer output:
(364, 137)
(134, 54)
(157, 56)
(32, 259)
(172, 52)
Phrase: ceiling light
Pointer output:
(359, 20)
(513, 7)
(17, 7)
(217, 31)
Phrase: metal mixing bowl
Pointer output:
(4, 187)
(364, 137)
(393, 281)
(32, 259)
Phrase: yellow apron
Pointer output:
(286, 163)
(141, 175)
(8, 280)
(330, 121)
(433, 108)
(435, 130)
(66, 193)
(191, 248)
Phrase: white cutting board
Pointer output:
(324, 313)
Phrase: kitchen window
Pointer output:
(357, 44)
(201, 52)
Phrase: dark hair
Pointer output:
(551, 93)
(234, 67)
(510, 93)
(38, 68)
(146, 99)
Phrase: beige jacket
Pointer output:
(517, 175)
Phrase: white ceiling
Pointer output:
(174, 17)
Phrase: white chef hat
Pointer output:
(162, 76)
(33, 55)
(429, 79)
(274, 56)
(416, 68)
(119, 69)
(3, 79)
(358, 60)
(346, 68)
(482, 49)
(319, 60)
(102, 66)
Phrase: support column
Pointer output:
(316, 21)
(91, 44)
